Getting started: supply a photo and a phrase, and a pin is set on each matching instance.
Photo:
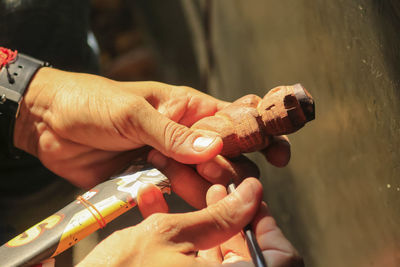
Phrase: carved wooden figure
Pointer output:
(246, 124)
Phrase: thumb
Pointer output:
(178, 141)
(217, 223)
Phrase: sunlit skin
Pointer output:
(86, 128)
(209, 237)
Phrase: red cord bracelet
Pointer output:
(7, 56)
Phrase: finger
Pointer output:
(278, 152)
(92, 174)
(199, 106)
(151, 200)
(83, 166)
(211, 255)
(186, 105)
(182, 104)
(167, 104)
(277, 250)
(185, 181)
(214, 194)
(219, 222)
(234, 249)
(220, 170)
(176, 140)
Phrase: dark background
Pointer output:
(338, 201)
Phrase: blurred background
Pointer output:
(338, 201)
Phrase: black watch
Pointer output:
(15, 77)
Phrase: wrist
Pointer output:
(16, 73)
(30, 121)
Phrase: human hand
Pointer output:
(209, 237)
(86, 128)
(192, 184)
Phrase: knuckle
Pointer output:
(155, 218)
(175, 135)
(183, 93)
(158, 89)
(162, 224)
(123, 114)
(184, 89)
(222, 215)
(250, 100)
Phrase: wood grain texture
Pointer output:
(246, 124)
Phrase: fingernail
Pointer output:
(202, 142)
(212, 170)
(157, 159)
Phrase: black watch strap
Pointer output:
(15, 77)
